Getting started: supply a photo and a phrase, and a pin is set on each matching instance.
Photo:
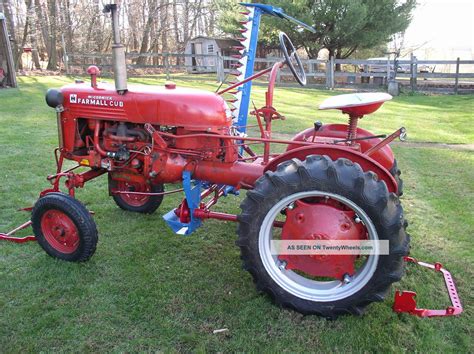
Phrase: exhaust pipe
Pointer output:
(118, 52)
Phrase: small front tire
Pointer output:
(64, 227)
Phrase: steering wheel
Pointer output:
(292, 59)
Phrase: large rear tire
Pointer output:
(64, 227)
(345, 185)
(396, 172)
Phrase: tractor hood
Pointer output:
(166, 106)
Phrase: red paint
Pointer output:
(405, 300)
(188, 108)
(60, 231)
(335, 152)
(319, 220)
(9, 235)
(93, 71)
(134, 199)
(329, 132)
(359, 111)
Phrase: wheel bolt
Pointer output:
(282, 265)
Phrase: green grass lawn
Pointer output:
(149, 289)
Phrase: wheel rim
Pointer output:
(60, 231)
(302, 286)
(136, 200)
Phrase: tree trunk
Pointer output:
(53, 52)
(33, 33)
(164, 27)
(69, 32)
(146, 33)
(7, 8)
(43, 17)
(19, 61)
(176, 29)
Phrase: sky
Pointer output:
(442, 28)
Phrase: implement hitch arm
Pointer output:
(405, 300)
(9, 235)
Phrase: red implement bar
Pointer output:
(9, 235)
(405, 300)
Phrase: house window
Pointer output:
(210, 48)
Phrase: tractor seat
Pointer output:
(356, 104)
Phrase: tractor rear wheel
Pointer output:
(135, 202)
(322, 199)
(64, 227)
(396, 172)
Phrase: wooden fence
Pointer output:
(416, 75)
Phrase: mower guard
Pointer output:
(405, 300)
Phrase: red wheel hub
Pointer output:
(136, 200)
(60, 231)
(321, 220)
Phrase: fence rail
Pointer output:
(427, 75)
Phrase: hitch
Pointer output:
(405, 300)
(9, 235)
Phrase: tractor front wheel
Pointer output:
(137, 203)
(322, 200)
(64, 227)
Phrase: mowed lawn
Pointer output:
(147, 289)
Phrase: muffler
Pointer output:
(118, 52)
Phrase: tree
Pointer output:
(31, 15)
(8, 10)
(342, 26)
(53, 52)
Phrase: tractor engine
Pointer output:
(143, 135)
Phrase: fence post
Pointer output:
(413, 72)
(167, 67)
(220, 67)
(387, 79)
(332, 73)
(456, 79)
(328, 74)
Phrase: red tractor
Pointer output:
(335, 184)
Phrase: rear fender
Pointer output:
(384, 156)
(336, 152)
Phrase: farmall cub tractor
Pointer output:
(335, 185)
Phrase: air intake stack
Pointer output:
(118, 52)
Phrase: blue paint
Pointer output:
(278, 12)
(192, 188)
(192, 192)
(247, 87)
(251, 52)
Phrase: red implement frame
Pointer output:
(9, 235)
(405, 300)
